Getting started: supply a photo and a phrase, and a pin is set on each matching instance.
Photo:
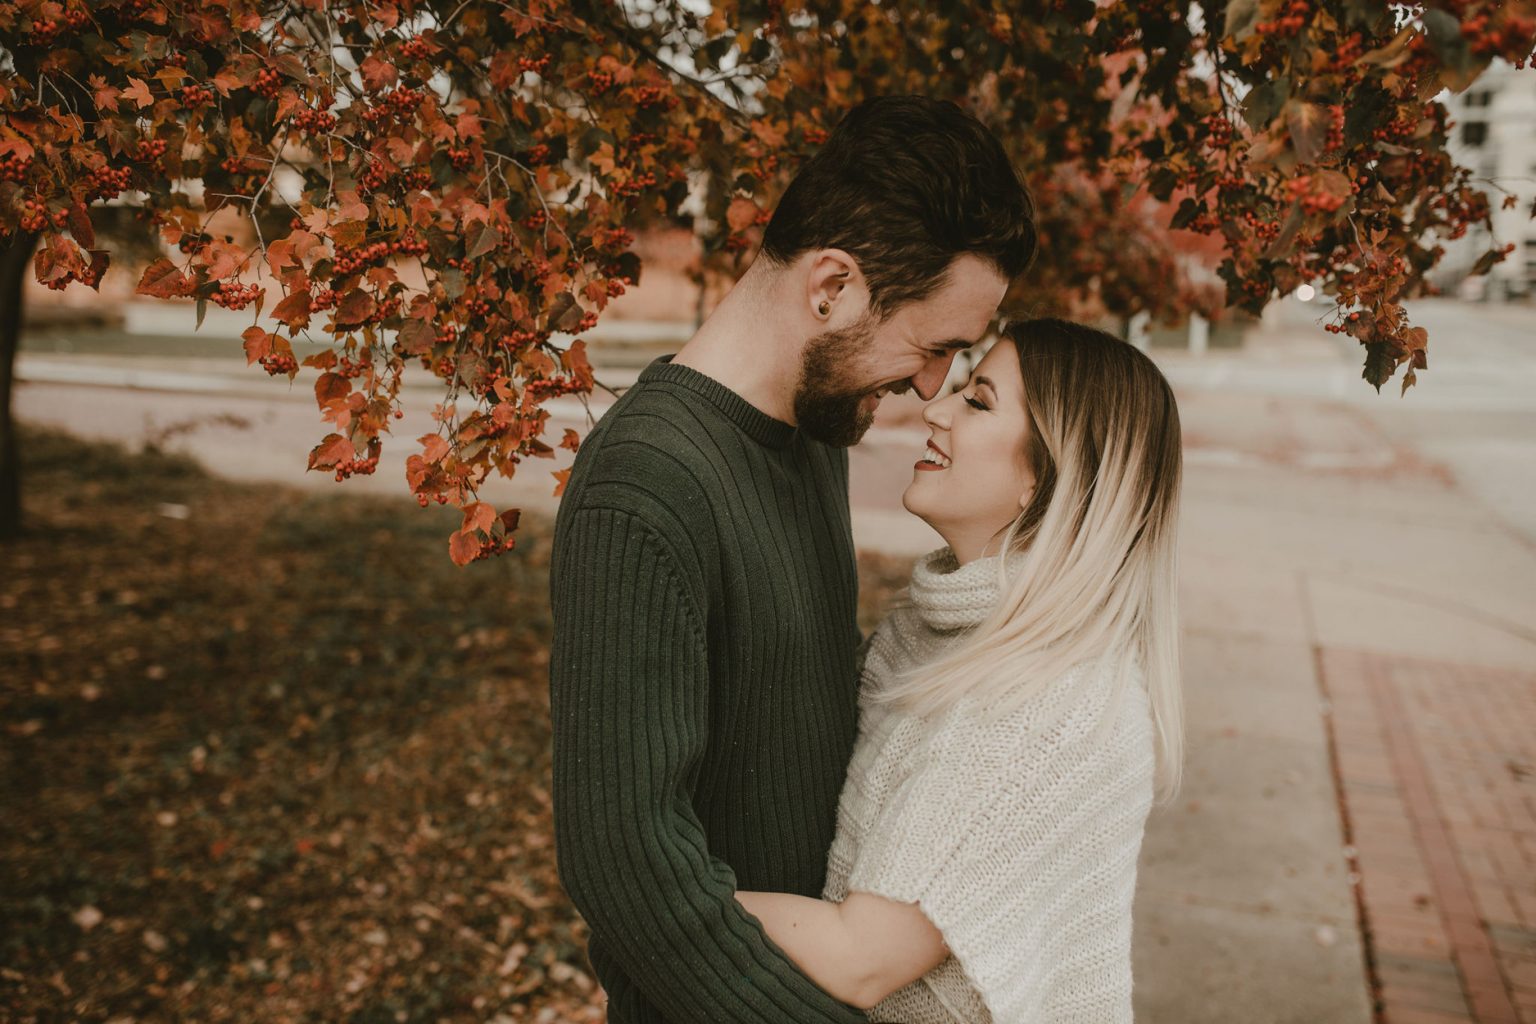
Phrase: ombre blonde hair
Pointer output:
(1089, 567)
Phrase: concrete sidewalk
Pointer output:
(1358, 823)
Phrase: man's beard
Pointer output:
(827, 400)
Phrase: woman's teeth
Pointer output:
(935, 458)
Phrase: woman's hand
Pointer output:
(860, 950)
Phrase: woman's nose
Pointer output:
(936, 413)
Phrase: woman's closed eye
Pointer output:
(976, 403)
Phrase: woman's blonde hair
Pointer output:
(1089, 567)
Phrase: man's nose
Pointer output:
(931, 377)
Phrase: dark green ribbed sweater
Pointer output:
(704, 696)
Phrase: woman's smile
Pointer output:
(935, 458)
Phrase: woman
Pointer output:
(1017, 708)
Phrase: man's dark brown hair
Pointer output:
(905, 184)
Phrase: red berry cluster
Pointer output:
(150, 149)
(654, 96)
(416, 48)
(447, 334)
(816, 136)
(588, 321)
(551, 387)
(90, 278)
(1300, 188)
(1204, 223)
(515, 340)
(613, 239)
(1346, 52)
(444, 367)
(1343, 328)
(44, 30)
(275, 364)
(233, 164)
(34, 216)
(536, 220)
(461, 157)
(537, 155)
(1335, 138)
(107, 182)
(635, 185)
(323, 299)
(536, 66)
(386, 309)
(352, 261)
(601, 81)
(494, 547)
(268, 82)
(193, 244)
(76, 19)
(375, 177)
(236, 296)
(399, 105)
(1515, 33)
(1218, 131)
(315, 122)
(1291, 21)
(416, 180)
(359, 467)
(195, 95)
(615, 288)
(349, 368)
(478, 307)
(14, 167)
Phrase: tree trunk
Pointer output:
(15, 255)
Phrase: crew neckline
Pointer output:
(756, 424)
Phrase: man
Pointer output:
(703, 686)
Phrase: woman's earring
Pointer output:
(824, 308)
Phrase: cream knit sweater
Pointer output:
(1019, 837)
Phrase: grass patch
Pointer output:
(270, 756)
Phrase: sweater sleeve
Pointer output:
(629, 689)
(1018, 837)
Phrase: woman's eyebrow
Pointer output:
(986, 382)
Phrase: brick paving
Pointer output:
(1436, 766)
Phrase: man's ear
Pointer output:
(834, 287)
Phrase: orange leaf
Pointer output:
(562, 477)
(478, 515)
(138, 91)
(741, 214)
(332, 449)
(356, 307)
(163, 280)
(378, 74)
(434, 447)
(258, 343)
(223, 259)
(293, 310)
(463, 547)
(331, 389)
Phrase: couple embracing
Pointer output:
(766, 818)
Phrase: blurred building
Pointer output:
(1494, 134)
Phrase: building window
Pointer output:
(1474, 133)
(1481, 98)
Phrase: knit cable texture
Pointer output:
(1018, 835)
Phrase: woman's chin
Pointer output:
(914, 501)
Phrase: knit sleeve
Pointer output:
(629, 697)
(1018, 838)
